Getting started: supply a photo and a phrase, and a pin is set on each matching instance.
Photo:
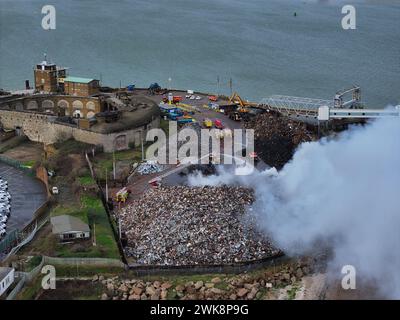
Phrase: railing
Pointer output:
(9, 241)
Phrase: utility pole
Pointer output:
(106, 187)
(141, 141)
(94, 235)
(114, 165)
(319, 130)
(231, 85)
(217, 85)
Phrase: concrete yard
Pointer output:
(199, 104)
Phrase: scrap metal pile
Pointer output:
(277, 137)
(188, 226)
(149, 167)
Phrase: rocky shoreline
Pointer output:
(265, 284)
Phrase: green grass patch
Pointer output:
(33, 263)
(86, 181)
(291, 294)
(104, 161)
(30, 291)
(97, 215)
(29, 164)
(87, 271)
(92, 212)
(106, 246)
(74, 211)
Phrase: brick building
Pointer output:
(49, 77)
(82, 87)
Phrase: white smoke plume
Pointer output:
(343, 192)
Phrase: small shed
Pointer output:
(69, 228)
(6, 279)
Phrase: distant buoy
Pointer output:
(295, 14)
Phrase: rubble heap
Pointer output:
(187, 226)
(277, 137)
(149, 167)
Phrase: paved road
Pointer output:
(27, 194)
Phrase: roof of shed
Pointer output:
(66, 223)
(78, 80)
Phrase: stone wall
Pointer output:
(43, 128)
(41, 174)
(59, 105)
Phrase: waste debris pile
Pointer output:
(182, 225)
(149, 167)
(277, 137)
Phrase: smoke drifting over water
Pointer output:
(344, 193)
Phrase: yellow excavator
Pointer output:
(236, 99)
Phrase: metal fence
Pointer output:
(9, 241)
(234, 268)
(24, 278)
(28, 277)
(16, 239)
(17, 289)
(17, 164)
(102, 262)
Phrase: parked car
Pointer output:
(5, 207)
(5, 197)
(218, 124)
(207, 123)
(5, 212)
(5, 193)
